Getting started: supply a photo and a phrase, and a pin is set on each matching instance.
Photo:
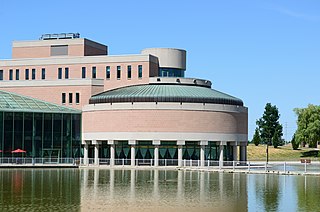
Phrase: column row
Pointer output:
(181, 149)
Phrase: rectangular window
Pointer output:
(10, 74)
(129, 72)
(107, 72)
(66, 73)
(1, 74)
(94, 72)
(140, 71)
(63, 98)
(17, 74)
(70, 98)
(43, 73)
(84, 72)
(118, 72)
(26, 74)
(77, 98)
(59, 73)
(33, 74)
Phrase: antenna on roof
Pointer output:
(60, 36)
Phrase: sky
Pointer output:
(261, 51)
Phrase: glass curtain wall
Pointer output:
(168, 150)
(144, 150)
(48, 135)
(191, 151)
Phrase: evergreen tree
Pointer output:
(294, 142)
(269, 125)
(256, 137)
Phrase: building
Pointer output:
(136, 109)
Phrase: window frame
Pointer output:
(118, 72)
(129, 72)
(140, 71)
(94, 72)
(43, 73)
(66, 72)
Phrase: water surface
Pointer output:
(154, 190)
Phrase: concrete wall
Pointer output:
(120, 121)
(51, 91)
(42, 48)
(168, 57)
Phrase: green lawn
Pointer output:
(282, 153)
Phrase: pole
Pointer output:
(267, 152)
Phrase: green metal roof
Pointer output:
(165, 93)
(18, 103)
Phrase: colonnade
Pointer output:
(157, 143)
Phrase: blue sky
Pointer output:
(259, 51)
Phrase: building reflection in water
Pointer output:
(39, 190)
(162, 190)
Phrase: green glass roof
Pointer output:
(15, 102)
(165, 93)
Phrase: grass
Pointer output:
(282, 153)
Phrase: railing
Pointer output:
(286, 167)
(37, 161)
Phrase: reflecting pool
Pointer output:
(154, 190)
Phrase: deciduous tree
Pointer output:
(308, 122)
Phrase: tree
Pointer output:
(269, 126)
(308, 122)
(294, 142)
(256, 137)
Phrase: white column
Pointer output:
(156, 144)
(96, 154)
(235, 153)
(133, 155)
(85, 154)
(112, 154)
(221, 154)
(202, 152)
(202, 149)
(180, 155)
(156, 156)
(180, 144)
(112, 144)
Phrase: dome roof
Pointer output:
(165, 93)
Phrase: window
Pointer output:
(129, 72)
(94, 72)
(33, 74)
(17, 74)
(26, 74)
(66, 73)
(77, 98)
(1, 74)
(59, 73)
(63, 98)
(43, 73)
(118, 72)
(83, 72)
(140, 71)
(10, 74)
(70, 98)
(108, 72)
